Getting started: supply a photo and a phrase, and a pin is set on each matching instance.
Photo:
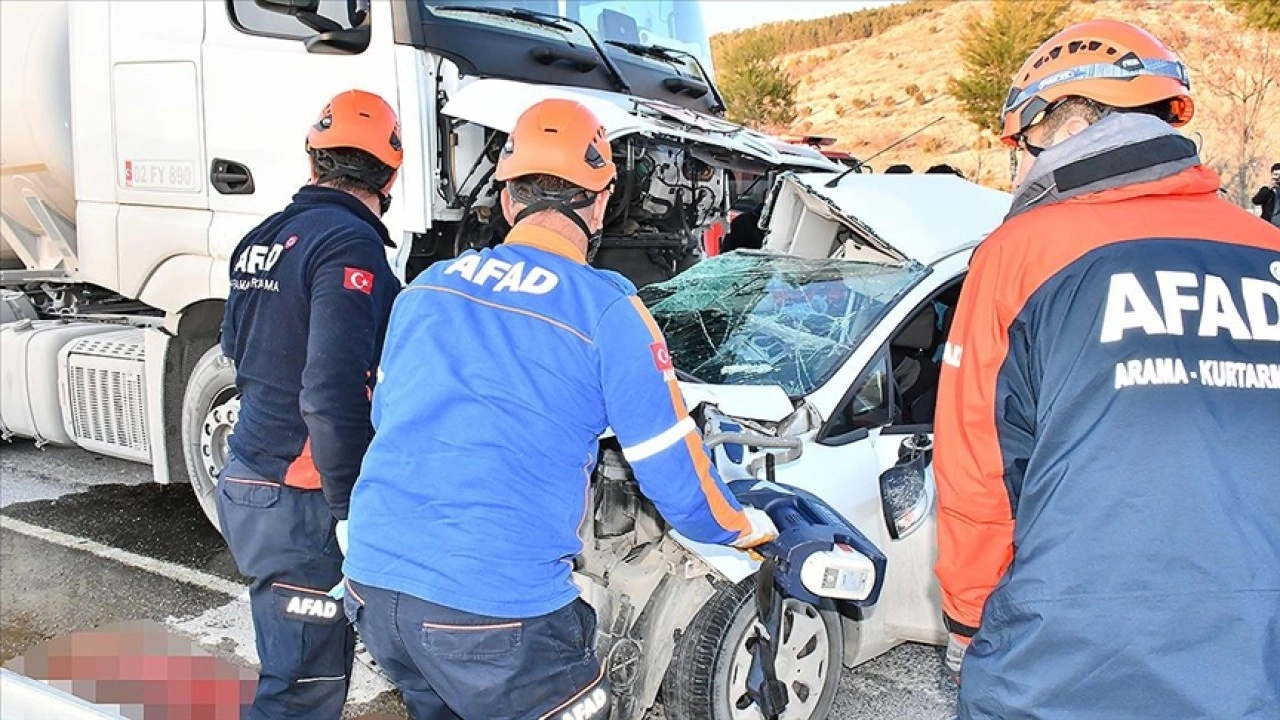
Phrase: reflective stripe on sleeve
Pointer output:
(660, 442)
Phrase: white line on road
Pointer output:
(172, 571)
(213, 627)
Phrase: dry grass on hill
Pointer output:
(870, 92)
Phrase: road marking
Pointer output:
(172, 571)
(214, 627)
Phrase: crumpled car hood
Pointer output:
(766, 403)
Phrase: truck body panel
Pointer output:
(142, 140)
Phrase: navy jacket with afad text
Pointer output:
(1108, 444)
(311, 291)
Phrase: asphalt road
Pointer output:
(88, 540)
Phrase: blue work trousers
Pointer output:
(284, 539)
(450, 664)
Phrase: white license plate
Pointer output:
(160, 175)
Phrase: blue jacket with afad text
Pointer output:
(502, 368)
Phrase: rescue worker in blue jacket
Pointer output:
(311, 291)
(501, 370)
(1108, 421)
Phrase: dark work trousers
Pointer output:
(450, 664)
(284, 539)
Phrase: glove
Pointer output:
(339, 591)
(762, 529)
(957, 645)
(341, 532)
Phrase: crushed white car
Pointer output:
(811, 364)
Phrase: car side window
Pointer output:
(248, 17)
(916, 355)
(871, 406)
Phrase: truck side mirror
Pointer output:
(331, 37)
(288, 7)
(340, 42)
(337, 40)
(305, 12)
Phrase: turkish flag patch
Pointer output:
(357, 279)
(662, 357)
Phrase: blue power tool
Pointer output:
(816, 555)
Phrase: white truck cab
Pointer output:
(140, 140)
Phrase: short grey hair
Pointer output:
(1091, 111)
(529, 189)
(1073, 107)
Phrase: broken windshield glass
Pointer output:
(754, 318)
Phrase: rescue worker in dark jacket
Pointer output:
(1268, 198)
(1107, 430)
(502, 369)
(311, 291)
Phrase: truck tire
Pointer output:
(209, 409)
(707, 676)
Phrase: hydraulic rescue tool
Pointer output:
(816, 555)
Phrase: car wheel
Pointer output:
(209, 410)
(707, 679)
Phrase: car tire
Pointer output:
(209, 409)
(706, 678)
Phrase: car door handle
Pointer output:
(231, 178)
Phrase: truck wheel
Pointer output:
(209, 411)
(707, 679)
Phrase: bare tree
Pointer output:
(1243, 71)
(988, 159)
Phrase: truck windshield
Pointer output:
(675, 24)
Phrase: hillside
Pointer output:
(870, 91)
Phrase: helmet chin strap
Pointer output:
(567, 208)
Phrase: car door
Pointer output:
(868, 433)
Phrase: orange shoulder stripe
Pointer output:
(721, 510)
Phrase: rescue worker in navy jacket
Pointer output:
(501, 370)
(1108, 429)
(311, 291)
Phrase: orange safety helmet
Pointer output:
(561, 138)
(360, 120)
(1107, 61)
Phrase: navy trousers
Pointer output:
(450, 664)
(284, 539)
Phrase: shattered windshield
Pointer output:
(753, 318)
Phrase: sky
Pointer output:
(724, 15)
